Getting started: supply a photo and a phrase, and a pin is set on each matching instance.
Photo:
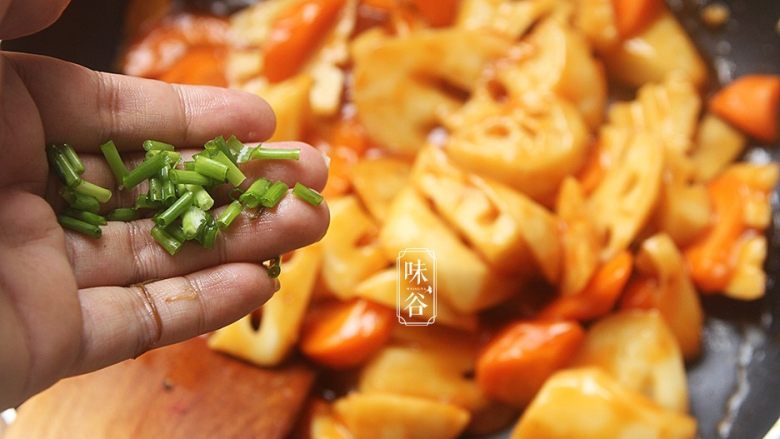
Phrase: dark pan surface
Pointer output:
(735, 387)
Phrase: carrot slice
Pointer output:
(631, 16)
(295, 34)
(598, 297)
(515, 364)
(751, 104)
(199, 66)
(345, 334)
(438, 13)
(712, 259)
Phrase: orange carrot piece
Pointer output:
(345, 334)
(199, 66)
(631, 16)
(515, 364)
(438, 13)
(295, 34)
(599, 295)
(349, 133)
(711, 260)
(751, 104)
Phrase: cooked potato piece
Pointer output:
(640, 352)
(350, 249)
(282, 315)
(416, 372)
(464, 280)
(646, 57)
(323, 423)
(457, 346)
(559, 60)
(581, 241)
(588, 403)
(377, 181)
(511, 232)
(596, 19)
(717, 145)
(401, 85)
(684, 210)
(530, 145)
(384, 416)
(669, 109)
(290, 102)
(381, 288)
(508, 18)
(624, 199)
(748, 282)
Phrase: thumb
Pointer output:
(24, 17)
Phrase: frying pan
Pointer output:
(735, 386)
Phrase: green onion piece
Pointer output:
(147, 169)
(189, 165)
(307, 194)
(80, 226)
(155, 190)
(156, 145)
(63, 167)
(87, 217)
(230, 213)
(176, 231)
(245, 154)
(115, 162)
(171, 157)
(123, 214)
(210, 168)
(80, 201)
(251, 198)
(143, 202)
(166, 241)
(181, 176)
(100, 193)
(177, 209)
(234, 144)
(234, 175)
(209, 234)
(193, 222)
(273, 195)
(219, 144)
(73, 158)
(168, 191)
(202, 197)
(276, 154)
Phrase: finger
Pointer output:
(122, 323)
(310, 170)
(86, 108)
(23, 17)
(126, 253)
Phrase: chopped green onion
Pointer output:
(189, 165)
(115, 162)
(276, 154)
(193, 222)
(73, 158)
(210, 168)
(234, 175)
(87, 217)
(166, 241)
(273, 195)
(219, 144)
(100, 193)
(251, 198)
(156, 145)
(202, 197)
(147, 169)
(177, 209)
(209, 234)
(181, 176)
(123, 214)
(80, 226)
(80, 201)
(176, 231)
(245, 154)
(307, 194)
(143, 202)
(171, 157)
(63, 167)
(230, 213)
(168, 191)
(155, 190)
(234, 144)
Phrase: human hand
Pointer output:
(67, 304)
